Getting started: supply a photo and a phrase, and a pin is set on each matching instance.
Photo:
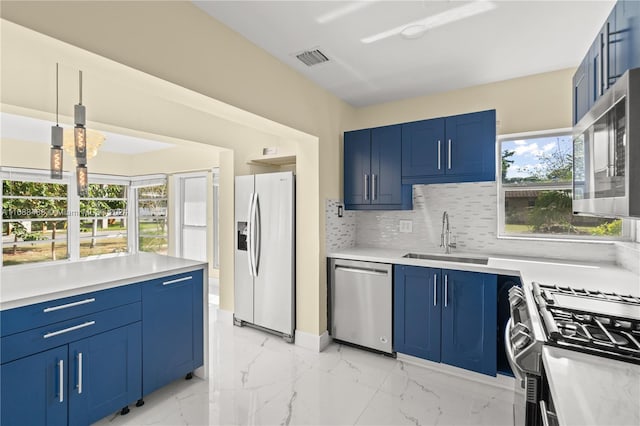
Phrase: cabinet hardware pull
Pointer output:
(79, 373)
(66, 330)
(366, 187)
(439, 155)
(446, 290)
(435, 292)
(69, 305)
(61, 381)
(374, 186)
(449, 155)
(361, 271)
(177, 280)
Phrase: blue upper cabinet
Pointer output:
(625, 40)
(422, 148)
(615, 49)
(469, 318)
(357, 165)
(386, 163)
(460, 148)
(373, 170)
(582, 94)
(417, 305)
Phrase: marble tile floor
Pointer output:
(258, 379)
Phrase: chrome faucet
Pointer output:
(445, 235)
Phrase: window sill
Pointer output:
(559, 239)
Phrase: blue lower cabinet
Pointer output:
(34, 389)
(417, 322)
(469, 319)
(446, 316)
(172, 329)
(105, 373)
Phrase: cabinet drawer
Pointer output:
(40, 314)
(161, 284)
(53, 335)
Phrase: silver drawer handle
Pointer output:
(79, 373)
(61, 381)
(435, 292)
(177, 280)
(66, 330)
(362, 271)
(69, 305)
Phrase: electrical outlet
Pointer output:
(406, 226)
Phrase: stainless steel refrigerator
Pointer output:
(265, 252)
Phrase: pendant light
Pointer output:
(56, 142)
(80, 139)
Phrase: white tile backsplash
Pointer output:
(340, 231)
(472, 209)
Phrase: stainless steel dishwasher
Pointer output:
(360, 298)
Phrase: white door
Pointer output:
(193, 217)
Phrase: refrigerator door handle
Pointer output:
(250, 234)
(257, 230)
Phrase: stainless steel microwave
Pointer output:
(606, 153)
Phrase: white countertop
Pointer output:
(592, 276)
(587, 390)
(21, 286)
(590, 390)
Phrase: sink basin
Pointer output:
(448, 258)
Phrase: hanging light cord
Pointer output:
(80, 87)
(57, 122)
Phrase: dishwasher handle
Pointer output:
(361, 270)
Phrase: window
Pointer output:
(536, 190)
(34, 220)
(103, 220)
(44, 220)
(152, 218)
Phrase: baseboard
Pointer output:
(500, 381)
(311, 341)
(223, 316)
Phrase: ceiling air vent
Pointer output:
(312, 57)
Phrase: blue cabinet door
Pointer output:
(469, 320)
(34, 389)
(105, 373)
(386, 165)
(626, 40)
(416, 317)
(583, 89)
(470, 146)
(423, 148)
(172, 329)
(357, 167)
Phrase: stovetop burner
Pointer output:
(606, 332)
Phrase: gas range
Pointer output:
(597, 323)
(593, 322)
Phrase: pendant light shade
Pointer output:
(79, 132)
(56, 142)
(82, 180)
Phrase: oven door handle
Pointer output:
(509, 350)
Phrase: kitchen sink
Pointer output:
(448, 258)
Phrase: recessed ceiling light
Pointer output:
(413, 32)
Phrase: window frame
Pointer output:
(108, 180)
(73, 209)
(628, 226)
(37, 176)
(138, 183)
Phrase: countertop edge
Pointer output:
(96, 285)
